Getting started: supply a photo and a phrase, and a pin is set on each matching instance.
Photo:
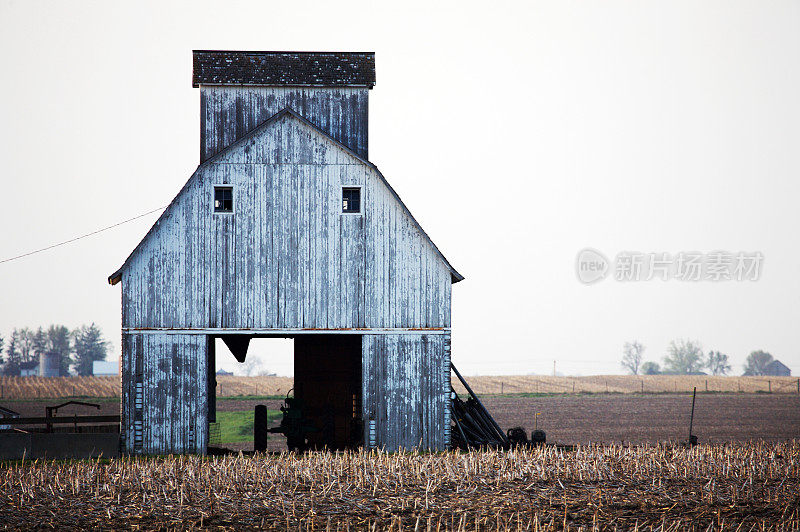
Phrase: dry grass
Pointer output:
(231, 386)
(49, 387)
(53, 387)
(627, 384)
(752, 486)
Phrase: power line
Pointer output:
(83, 236)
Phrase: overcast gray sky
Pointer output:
(517, 134)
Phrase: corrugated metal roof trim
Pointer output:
(115, 277)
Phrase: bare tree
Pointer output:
(717, 363)
(254, 367)
(632, 353)
(684, 357)
(26, 345)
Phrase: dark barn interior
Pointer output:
(327, 381)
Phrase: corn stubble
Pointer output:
(751, 486)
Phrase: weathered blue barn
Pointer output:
(287, 230)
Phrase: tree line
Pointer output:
(75, 350)
(686, 357)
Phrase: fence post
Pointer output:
(260, 429)
(706, 385)
(770, 386)
(642, 383)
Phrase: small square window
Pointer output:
(223, 199)
(351, 199)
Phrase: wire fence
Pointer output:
(260, 386)
(540, 384)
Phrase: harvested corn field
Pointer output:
(232, 386)
(57, 387)
(752, 485)
(236, 386)
(540, 384)
(641, 419)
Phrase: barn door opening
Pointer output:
(237, 365)
(327, 381)
(327, 388)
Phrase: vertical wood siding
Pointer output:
(405, 390)
(287, 257)
(228, 113)
(174, 411)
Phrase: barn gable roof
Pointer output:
(287, 112)
(317, 69)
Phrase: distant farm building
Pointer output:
(50, 364)
(105, 367)
(287, 230)
(776, 368)
(29, 369)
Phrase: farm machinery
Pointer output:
(294, 425)
(474, 427)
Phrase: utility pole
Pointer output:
(554, 368)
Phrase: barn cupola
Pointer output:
(240, 90)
